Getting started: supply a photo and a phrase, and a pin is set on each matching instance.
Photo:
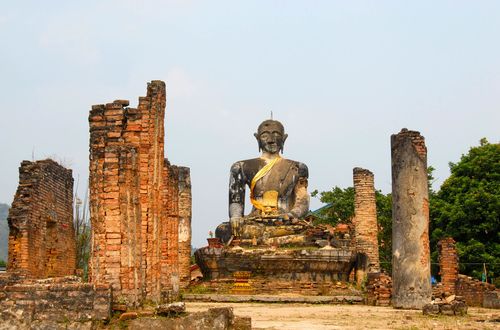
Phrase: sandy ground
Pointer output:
(313, 317)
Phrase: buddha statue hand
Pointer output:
(236, 223)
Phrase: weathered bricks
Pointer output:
(184, 206)
(448, 264)
(472, 290)
(41, 235)
(410, 221)
(55, 300)
(134, 200)
(365, 217)
(378, 289)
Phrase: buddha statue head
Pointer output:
(271, 136)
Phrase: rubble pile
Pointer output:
(379, 289)
(450, 305)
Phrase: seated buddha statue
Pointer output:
(277, 188)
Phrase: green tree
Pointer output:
(467, 208)
(340, 208)
(384, 219)
(81, 223)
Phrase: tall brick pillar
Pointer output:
(410, 221)
(171, 255)
(448, 264)
(184, 226)
(41, 234)
(365, 218)
(133, 200)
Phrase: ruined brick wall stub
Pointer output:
(472, 290)
(184, 205)
(131, 205)
(41, 235)
(365, 217)
(448, 264)
(410, 221)
(52, 303)
(170, 255)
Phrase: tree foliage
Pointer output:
(384, 218)
(467, 208)
(81, 225)
(340, 208)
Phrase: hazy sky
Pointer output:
(342, 76)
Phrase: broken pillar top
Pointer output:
(416, 139)
(362, 171)
(123, 103)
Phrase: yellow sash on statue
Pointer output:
(260, 174)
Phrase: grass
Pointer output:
(198, 289)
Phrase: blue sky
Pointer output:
(342, 76)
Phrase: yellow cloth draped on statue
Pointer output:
(269, 201)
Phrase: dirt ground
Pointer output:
(314, 317)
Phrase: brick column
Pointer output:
(410, 221)
(184, 201)
(448, 264)
(133, 199)
(171, 255)
(365, 218)
(41, 233)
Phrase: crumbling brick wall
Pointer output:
(170, 245)
(448, 264)
(365, 217)
(472, 290)
(41, 235)
(51, 303)
(184, 206)
(133, 199)
(378, 289)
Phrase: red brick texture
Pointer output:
(184, 207)
(378, 289)
(52, 301)
(448, 264)
(365, 217)
(134, 202)
(472, 290)
(41, 235)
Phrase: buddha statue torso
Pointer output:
(281, 191)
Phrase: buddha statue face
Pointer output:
(271, 136)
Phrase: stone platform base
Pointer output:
(263, 286)
(297, 264)
(274, 299)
